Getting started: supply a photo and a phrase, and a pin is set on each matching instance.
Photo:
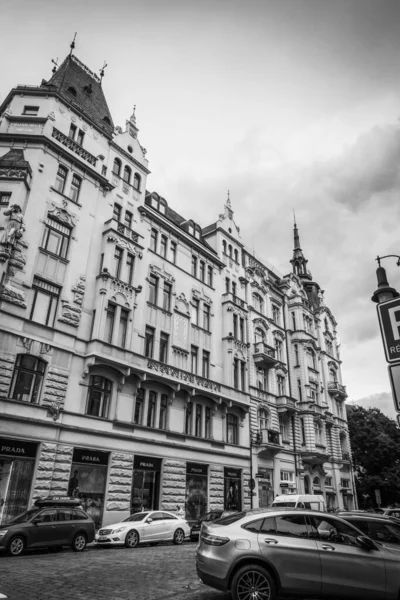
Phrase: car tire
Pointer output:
(132, 539)
(179, 537)
(79, 542)
(16, 546)
(253, 579)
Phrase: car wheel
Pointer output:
(16, 546)
(179, 537)
(132, 539)
(253, 581)
(79, 543)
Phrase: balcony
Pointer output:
(314, 457)
(122, 229)
(268, 442)
(285, 404)
(65, 140)
(264, 356)
(337, 389)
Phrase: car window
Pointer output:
(24, 517)
(65, 514)
(384, 532)
(137, 517)
(335, 531)
(291, 525)
(168, 516)
(47, 516)
(254, 526)
(157, 516)
(214, 516)
(231, 518)
(394, 513)
(362, 525)
(79, 515)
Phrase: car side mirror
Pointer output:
(149, 520)
(365, 542)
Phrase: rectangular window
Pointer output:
(45, 302)
(99, 394)
(296, 354)
(110, 318)
(167, 295)
(206, 317)
(101, 262)
(162, 424)
(128, 219)
(275, 314)
(130, 266)
(195, 311)
(227, 285)
(241, 329)
(164, 337)
(27, 378)
(209, 276)
(117, 210)
(153, 240)
(61, 179)
(163, 246)
(172, 251)
(153, 289)
(118, 254)
(56, 238)
(138, 416)
(300, 392)
(328, 481)
(5, 198)
(287, 476)
(188, 419)
(75, 188)
(206, 364)
(123, 327)
(303, 432)
(32, 111)
(199, 415)
(202, 270)
(194, 355)
(72, 131)
(279, 349)
(151, 409)
(234, 288)
(149, 342)
(236, 373)
(194, 266)
(207, 423)
(81, 135)
(345, 483)
(294, 321)
(280, 380)
(242, 375)
(235, 326)
(232, 429)
(92, 325)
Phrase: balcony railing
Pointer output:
(74, 146)
(123, 230)
(268, 437)
(285, 403)
(264, 355)
(336, 388)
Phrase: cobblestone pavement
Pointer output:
(164, 572)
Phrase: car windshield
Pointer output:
(231, 518)
(24, 517)
(136, 517)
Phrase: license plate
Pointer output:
(102, 538)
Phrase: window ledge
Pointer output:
(166, 312)
(53, 189)
(200, 328)
(63, 260)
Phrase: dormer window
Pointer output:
(197, 232)
(136, 182)
(71, 90)
(106, 120)
(127, 174)
(191, 229)
(117, 167)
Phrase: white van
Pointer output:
(310, 501)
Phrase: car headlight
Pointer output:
(119, 530)
(3, 532)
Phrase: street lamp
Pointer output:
(384, 292)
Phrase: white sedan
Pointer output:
(145, 528)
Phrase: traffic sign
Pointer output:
(394, 376)
(389, 321)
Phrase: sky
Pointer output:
(292, 105)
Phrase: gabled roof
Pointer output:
(82, 88)
(14, 158)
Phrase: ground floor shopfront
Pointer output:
(115, 483)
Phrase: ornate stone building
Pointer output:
(145, 360)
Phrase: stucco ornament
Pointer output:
(13, 232)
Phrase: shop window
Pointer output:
(164, 338)
(27, 379)
(75, 188)
(45, 302)
(232, 489)
(88, 481)
(127, 174)
(61, 179)
(110, 322)
(151, 409)
(16, 476)
(117, 167)
(56, 238)
(149, 341)
(153, 289)
(196, 491)
(167, 296)
(188, 419)
(163, 411)
(139, 403)
(206, 364)
(146, 483)
(99, 396)
(136, 183)
(232, 429)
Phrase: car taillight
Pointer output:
(213, 540)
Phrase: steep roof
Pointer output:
(14, 159)
(82, 88)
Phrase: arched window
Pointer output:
(136, 181)
(71, 90)
(232, 429)
(263, 419)
(106, 120)
(230, 251)
(236, 256)
(117, 167)
(332, 375)
(259, 335)
(127, 174)
(318, 433)
(306, 485)
(224, 246)
(316, 482)
(99, 396)
(27, 378)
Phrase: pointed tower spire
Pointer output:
(131, 126)
(296, 234)
(72, 46)
(298, 261)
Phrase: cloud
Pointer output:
(383, 401)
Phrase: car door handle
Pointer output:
(327, 547)
(270, 541)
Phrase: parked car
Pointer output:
(380, 528)
(53, 522)
(213, 515)
(148, 527)
(266, 553)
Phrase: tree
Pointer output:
(375, 446)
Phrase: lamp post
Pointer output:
(384, 292)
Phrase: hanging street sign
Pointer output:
(394, 376)
(389, 321)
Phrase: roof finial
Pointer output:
(102, 71)
(228, 202)
(294, 218)
(133, 116)
(72, 46)
(55, 63)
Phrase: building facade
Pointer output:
(147, 361)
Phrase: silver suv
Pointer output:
(263, 553)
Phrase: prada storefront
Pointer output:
(17, 465)
(146, 483)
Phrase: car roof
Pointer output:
(57, 501)
(366, 515)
